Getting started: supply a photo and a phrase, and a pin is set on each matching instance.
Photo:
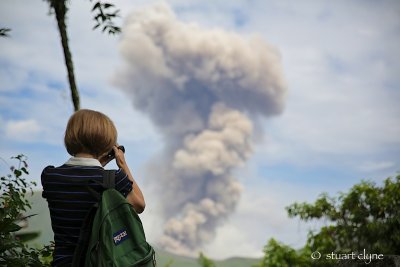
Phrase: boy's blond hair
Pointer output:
(90, 131)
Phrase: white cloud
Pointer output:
(23, 130)
(341, 99)
(376, 166)
(233, 241)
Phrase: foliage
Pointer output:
(367, 217)
(104, 15)
(204, 261)
(12, 202)
(4, 32)
(279, 255)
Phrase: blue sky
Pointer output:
(340, 124)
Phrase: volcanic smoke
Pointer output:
(204, 89)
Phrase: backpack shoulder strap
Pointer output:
(86, 230)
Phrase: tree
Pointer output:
(60, 10)
(366, 218)
(105, 13)
(277, 254)
(204, 261)
(13, 252)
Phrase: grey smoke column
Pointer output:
(203, 88)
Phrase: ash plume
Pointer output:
(203, 89)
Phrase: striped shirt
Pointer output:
(69, 200)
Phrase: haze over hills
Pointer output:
(41, 223)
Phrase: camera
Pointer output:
(111, 154)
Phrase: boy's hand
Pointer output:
(120, 157)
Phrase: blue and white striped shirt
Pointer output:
(69, 200)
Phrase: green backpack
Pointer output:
(116, 233)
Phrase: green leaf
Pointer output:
(12, 227)
(107, 5)
(24, 170)
(4, 32)
(25, 237)
(17, 173)
(97, 5)
(98, 17)
(96, 26)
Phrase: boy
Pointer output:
(89, 138)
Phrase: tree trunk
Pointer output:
(60, 10)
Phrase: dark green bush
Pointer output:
(13, 251)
